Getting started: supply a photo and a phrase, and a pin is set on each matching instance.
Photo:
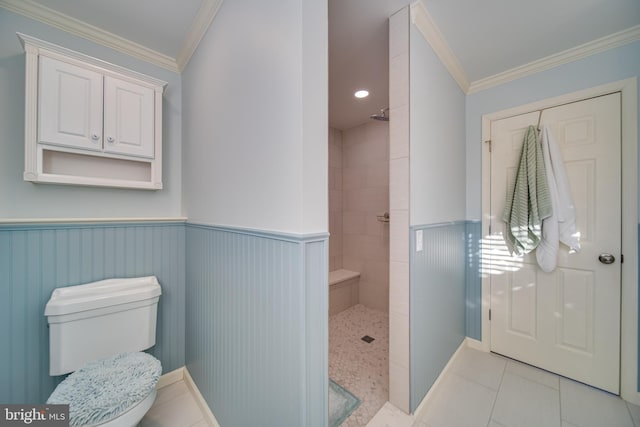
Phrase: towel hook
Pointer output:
(539, 118)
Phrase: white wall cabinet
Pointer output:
(128, 118)
(88, 122)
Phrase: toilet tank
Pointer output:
(100, 319)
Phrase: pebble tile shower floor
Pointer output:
(360, 367)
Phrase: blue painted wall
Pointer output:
(35, 259)
(437, 296)
(256, 342)
(437, 138)
(245, 168)
(473, 281)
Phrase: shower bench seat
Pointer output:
(343, 290)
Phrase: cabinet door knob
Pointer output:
(95, 137)
(110, 139)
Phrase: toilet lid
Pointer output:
(106, 388)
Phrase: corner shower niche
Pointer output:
(89, 122)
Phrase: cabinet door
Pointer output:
(69, 105)
(128, 118)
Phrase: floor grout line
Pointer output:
(633, 421)
(560, 399)
(497, 393)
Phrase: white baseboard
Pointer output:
(208, 415)
(475, 344)
(182, 374)
(422, 407)
(171, 377)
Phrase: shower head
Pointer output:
(382, 116)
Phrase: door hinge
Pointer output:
(489, 228)
(621, 258)
(489, 314)
(488, 141)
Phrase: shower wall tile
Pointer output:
(376, 275)
(399, 350)
(399, 244)
(365, 177)
(377, 176)
(399, 368)
(369, 200)
(366, 145)
(335, 148)
(354, 223)
(399, 183)
(399, 206)
(399, 298)
(399, 380)
(335, 201)
(375, 227)
(399, 68)
(37, 258)
(353, 178)
(399, 133)
(337, 179)
(336, 185)
(331, 175)
(365, 248)
(353, 263)
(399, 33)
(335, 248)
(399, 293)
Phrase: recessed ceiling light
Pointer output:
(361, 93)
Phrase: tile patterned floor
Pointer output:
(361, 368)
(175, 406)
(484, 389)
(480, 389)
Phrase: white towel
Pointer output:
(561, 225)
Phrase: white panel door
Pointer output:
(566, 321)
(70, 105)
(128, 118)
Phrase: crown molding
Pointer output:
(201, 23)
(421, 18)
(599, 45)
(27, 41)
(66, 23)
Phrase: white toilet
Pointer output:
(97, 331)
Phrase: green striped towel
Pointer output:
(530, 201)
